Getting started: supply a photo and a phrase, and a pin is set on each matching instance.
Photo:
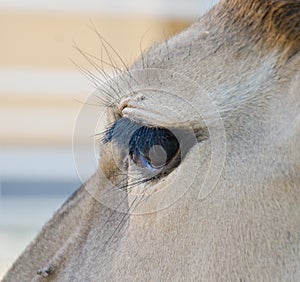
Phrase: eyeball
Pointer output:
(154, 148)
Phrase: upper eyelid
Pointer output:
(127, 127)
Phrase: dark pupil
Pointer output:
(157, 146)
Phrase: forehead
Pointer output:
(238, 46)
(237, 27)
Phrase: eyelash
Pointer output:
(107, 135)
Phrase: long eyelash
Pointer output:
(120, 127)
(106, 135)
(128, 187)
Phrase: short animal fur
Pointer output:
(246, 56)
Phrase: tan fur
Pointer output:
(245, 55)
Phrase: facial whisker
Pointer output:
(120, 224)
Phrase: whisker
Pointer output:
(120, 224)
(86, 103)
(103, 62)
(141, 49)
(90, 61)
(90, 76)
(103, 40)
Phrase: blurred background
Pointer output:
(42, 89)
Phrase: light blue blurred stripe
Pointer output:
(188, 9)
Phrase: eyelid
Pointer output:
(130, 126)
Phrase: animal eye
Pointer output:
(154, 148)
